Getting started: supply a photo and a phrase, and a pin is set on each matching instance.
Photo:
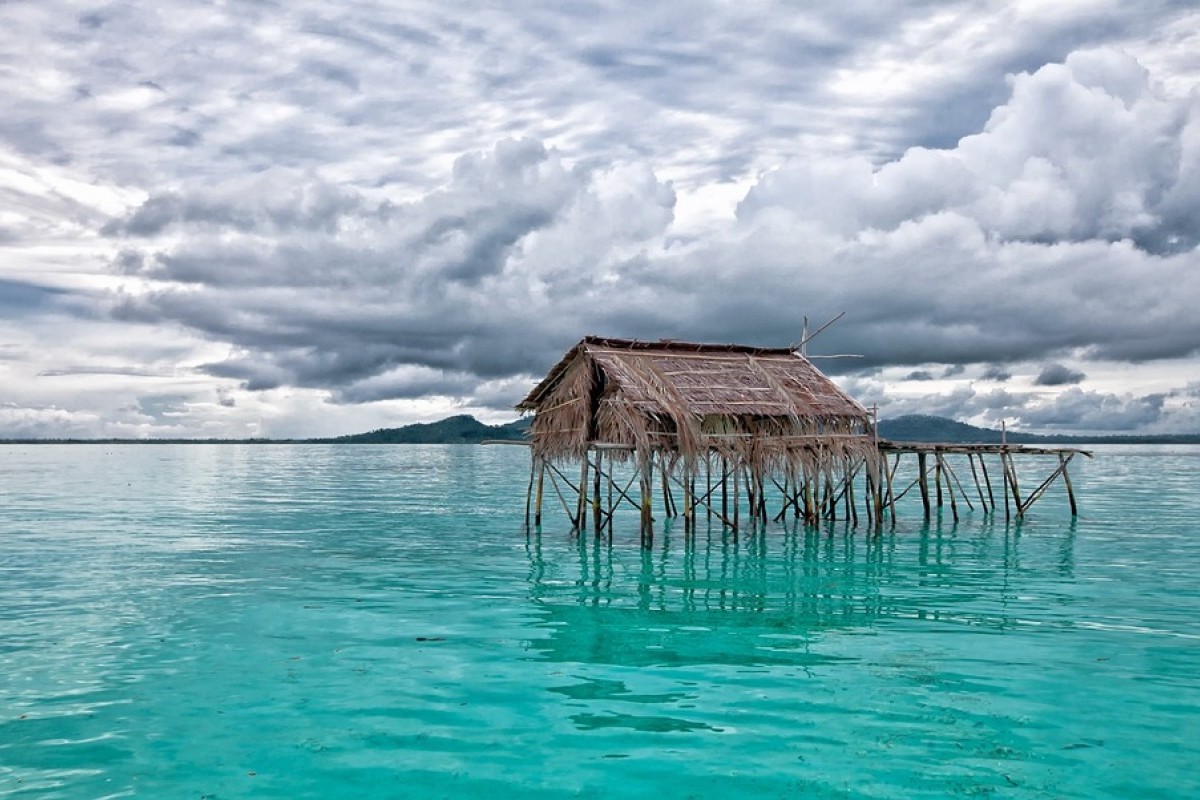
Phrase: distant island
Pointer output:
(465, 429)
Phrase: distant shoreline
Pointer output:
(465, 429)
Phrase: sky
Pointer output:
(233, 219)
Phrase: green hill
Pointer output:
(460, 429)
(924, 428)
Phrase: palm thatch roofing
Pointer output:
(764, 405)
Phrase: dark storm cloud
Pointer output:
(1017, 245)
(996, 372)
(1058, 375)
(286, 173)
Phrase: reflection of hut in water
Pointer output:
(714, 420)
(707, 599)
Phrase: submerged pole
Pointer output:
(1064, 460)
(541, 482)
(923, 479)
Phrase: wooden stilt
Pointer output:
(987, 480)
(891, 484)
(529, 489)
(944, 473)
(610, 499)
(687, 502)
(596, 486)
(541, 480)
(937, 477)
(1004, 488)
(736, 505)
(581, 515)
(708, 487)
(669, 509)
(647, 474)
(923, 479)
(1012, 485)
(978, 487)
(1064, 460)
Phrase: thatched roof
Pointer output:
(763, 406)
(702, 380)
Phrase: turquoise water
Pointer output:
(309, 621)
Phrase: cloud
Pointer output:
(1082, 410)
(1037, 235)
(323, 289)
(995, 372)
(1057, 375)
(364, 210)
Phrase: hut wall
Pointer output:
(561, 429)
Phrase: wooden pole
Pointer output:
(892, 480)
(978, 487)
(924, 481)
(610, 499)
(596, 486)
(647, 469)
(937, 477)
(687, 502)
(944, 471)
(541, 481)
(1064, 460)
(581, 516)
(708, 487)
(1004, 488)
(529, 489)
(1012, 484)
(736, 505)
(669, 509)
(987, 479)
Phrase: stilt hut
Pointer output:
(714, 420)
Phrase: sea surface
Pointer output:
(305, 621)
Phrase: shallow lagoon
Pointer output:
(319, 621)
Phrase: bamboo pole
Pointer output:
(541, 480)
(596, 487)
(987, 479)
(978, 487)
(725, 487)
(953, 476)
(529, 489)
(1004, 488)
(687, 502)
(581, 516)
(563, 500)
(708, 487)
(669, 509)
(647, 475)
(610, 500)
(1065, 460)
(736, 505)
(1012, 485)
(924, 481)
(937, 477)
(944, 474)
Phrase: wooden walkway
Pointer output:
(941, 481)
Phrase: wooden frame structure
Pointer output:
(711, 421)
(723, 427)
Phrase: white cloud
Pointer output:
(315, 203)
